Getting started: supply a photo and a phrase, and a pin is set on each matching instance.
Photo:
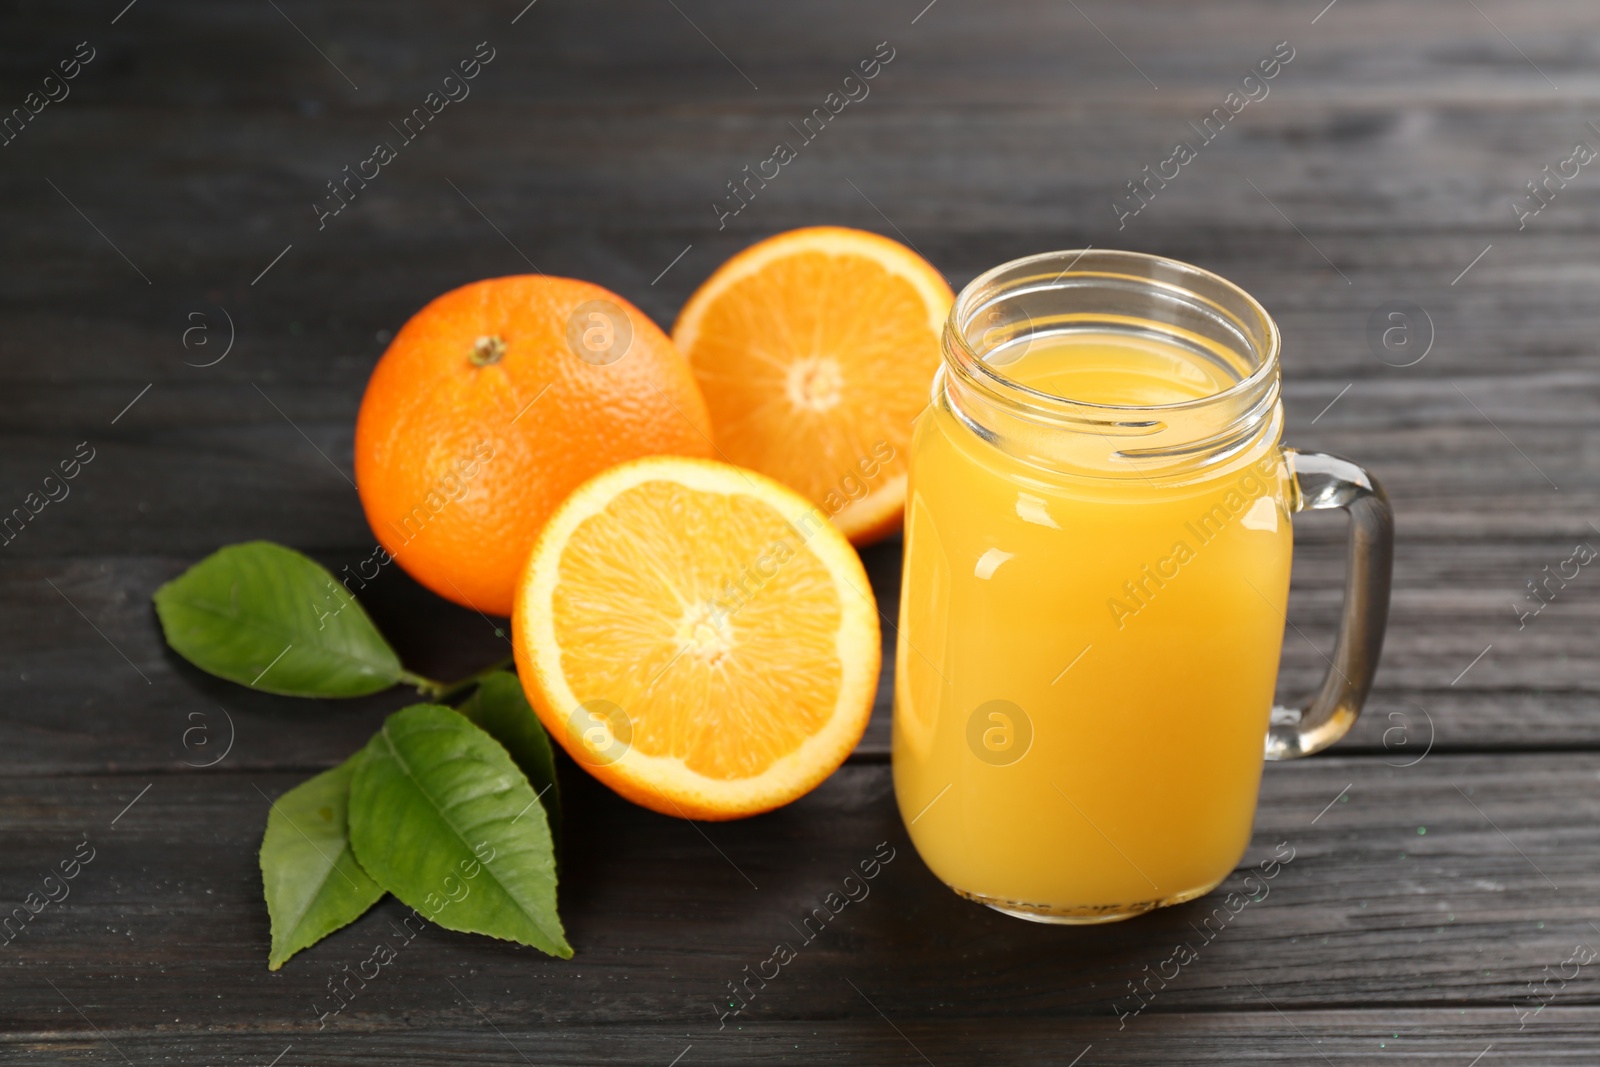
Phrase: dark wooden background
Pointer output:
(1445, 853)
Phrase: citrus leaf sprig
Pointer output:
(451, 810)
(445, 821)
(310, 877)
(267, 617)
(500, 709)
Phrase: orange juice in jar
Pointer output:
(1097, 560)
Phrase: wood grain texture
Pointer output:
(1383, 165)
(1444, 882)
(1535, 688)
(1427, 1036)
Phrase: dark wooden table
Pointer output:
(1441, 906)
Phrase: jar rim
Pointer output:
(971, 362)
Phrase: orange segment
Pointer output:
(698, 637)
(815, 350)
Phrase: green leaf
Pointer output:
(267, 617)
(311, 879)
(501, 709)
(442, 818)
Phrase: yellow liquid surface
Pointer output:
(1086, 664)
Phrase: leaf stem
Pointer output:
(441, 692)
(424, 686)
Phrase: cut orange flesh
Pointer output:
(815, 350)
(698, 637)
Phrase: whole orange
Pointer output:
(493, 403)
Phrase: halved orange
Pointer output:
(698, 637)
(815, 350)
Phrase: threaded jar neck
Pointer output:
(1005, 311)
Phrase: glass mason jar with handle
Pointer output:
(1097, 556)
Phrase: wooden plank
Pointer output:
(70, 702)
(1449, 883)
(309, 345)
(559, 138)
(1460, 667)
(1563, 1035)
(642, 53)
(1481, 461)
(533, 174)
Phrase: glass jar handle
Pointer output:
(1323, 481)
